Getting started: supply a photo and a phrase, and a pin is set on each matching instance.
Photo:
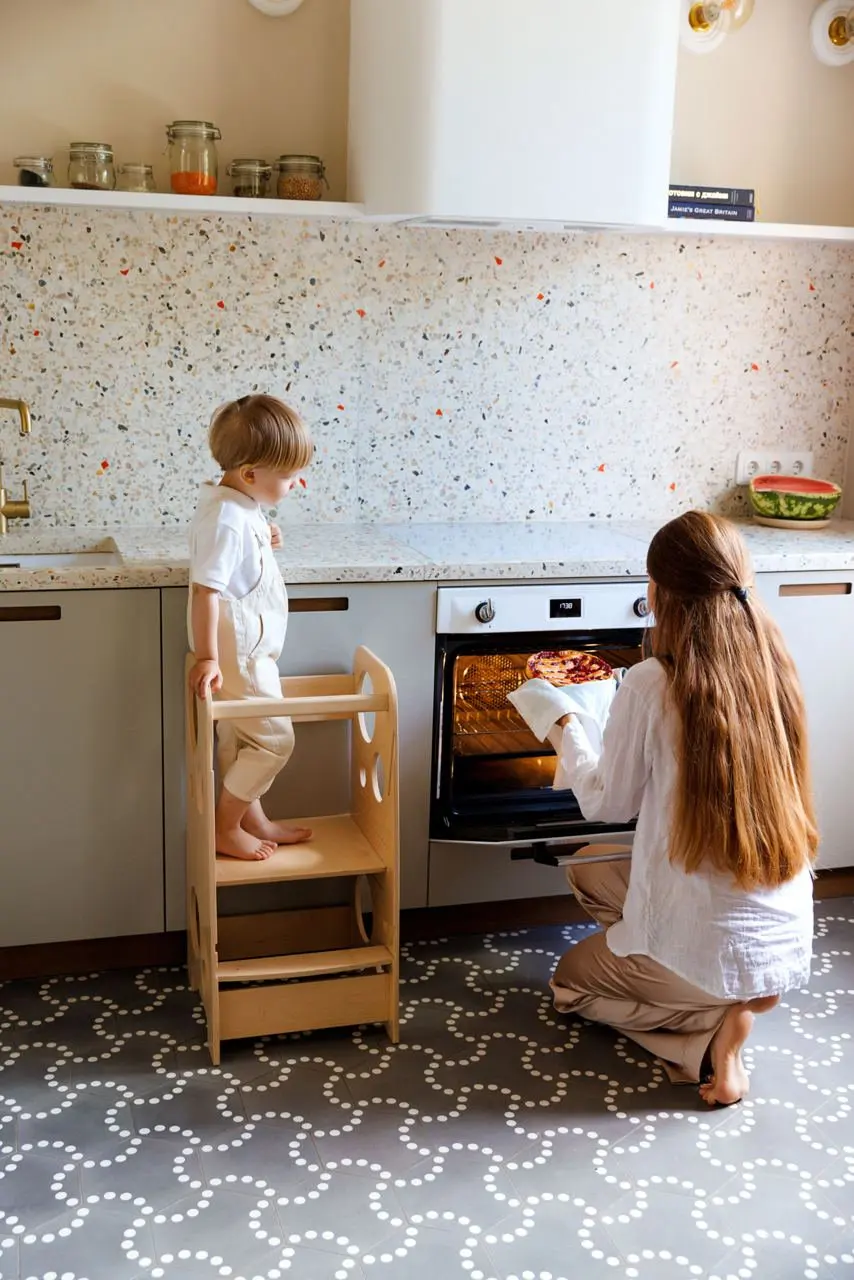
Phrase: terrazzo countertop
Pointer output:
(157, 557)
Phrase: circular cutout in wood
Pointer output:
(378, 778)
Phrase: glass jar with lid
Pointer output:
(34, 171)
(91, 166)
(193, 157)
(249, 178)
(136, 177)
(300, 177)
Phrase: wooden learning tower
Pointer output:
(300, 970)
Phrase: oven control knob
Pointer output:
(641, 607)
(485, 611)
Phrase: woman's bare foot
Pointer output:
(730, 1081)
(237, 843)
(257, 824)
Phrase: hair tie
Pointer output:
(741, 594)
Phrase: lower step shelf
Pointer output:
(311, 965)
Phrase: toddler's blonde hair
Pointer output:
(260, 431)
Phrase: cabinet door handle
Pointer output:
(815, 589)
(30, 613)
(320, 604)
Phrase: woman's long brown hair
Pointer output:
(743, 801)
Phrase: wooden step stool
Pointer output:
(299, 970)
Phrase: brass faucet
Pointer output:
(15, 509)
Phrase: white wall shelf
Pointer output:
(160, 202)
(756, 230)
(212, 206)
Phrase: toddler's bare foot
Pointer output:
(257, 824)
(730, 1081)
(237, 843)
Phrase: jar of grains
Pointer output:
(34, 171)
(249, 178)
(91, 167)
(136, 177)
(300, 177)
(193, 157)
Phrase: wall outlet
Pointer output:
(772, 462)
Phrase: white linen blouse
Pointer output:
(729, 942)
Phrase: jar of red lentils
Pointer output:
(193, 157)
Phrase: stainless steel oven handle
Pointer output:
(572, 859)
(601, 837)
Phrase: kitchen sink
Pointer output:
(60, 560)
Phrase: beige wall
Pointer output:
(763, 112)
(120, 70)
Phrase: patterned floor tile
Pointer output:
(551, 1239)
(94, 1245)
(356, 1209)
(218, 1229)
(155, 1172)
(36, 1186)
(499, 1141)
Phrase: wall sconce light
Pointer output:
(832, 33)
(706, 25)
(276, 8)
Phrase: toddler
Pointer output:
(238, 610)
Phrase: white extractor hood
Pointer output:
(515, 111)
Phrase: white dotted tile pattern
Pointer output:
(498, 1141)
(447, 375)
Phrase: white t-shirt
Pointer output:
(730, 942)
(224, 551)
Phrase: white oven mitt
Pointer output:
(541, 705)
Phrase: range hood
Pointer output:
(519, 112)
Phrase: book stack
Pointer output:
(723, 204)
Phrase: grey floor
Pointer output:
(498, 1140)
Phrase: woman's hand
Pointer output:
(275, 537)
(564, 720)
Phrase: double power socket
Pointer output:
(772, 462)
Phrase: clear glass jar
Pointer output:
(34, 171)
(300, 177)
(136, 177)
(249, 178)
(91, 167)
(193, 157)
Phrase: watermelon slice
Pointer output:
(793, 497)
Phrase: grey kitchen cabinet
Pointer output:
(81, 814)
(174, 649)
(327, 623)
(815, 612)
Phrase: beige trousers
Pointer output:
(663, 1013)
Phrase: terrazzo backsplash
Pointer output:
(447, 375)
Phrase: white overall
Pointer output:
(250, 637)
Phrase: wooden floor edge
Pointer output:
(420, 924)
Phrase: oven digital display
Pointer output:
(565, 608)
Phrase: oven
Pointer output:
(492, 780)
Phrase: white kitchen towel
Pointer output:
(541, 705)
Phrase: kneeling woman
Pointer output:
(712, 919)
